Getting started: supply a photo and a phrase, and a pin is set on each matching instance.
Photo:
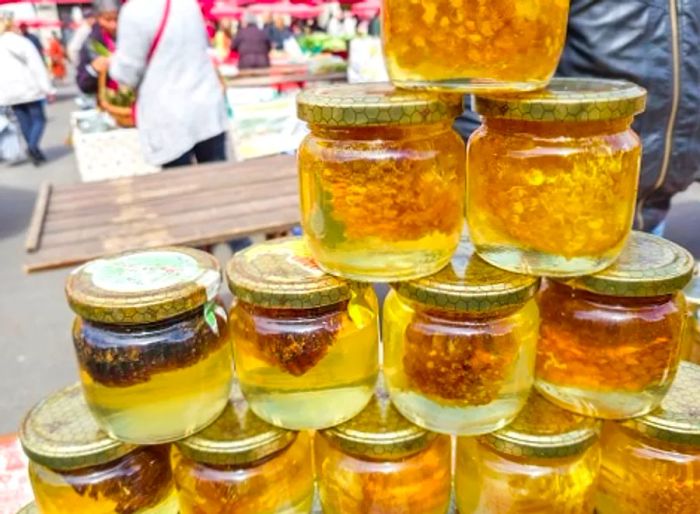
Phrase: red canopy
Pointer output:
(226, 10)
(286, 7)
(366, 8)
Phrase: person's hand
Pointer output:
(100, 64)
(51, 98)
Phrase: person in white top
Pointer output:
(24, 86)
(180, 111)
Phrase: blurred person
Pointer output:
(375, 26)
(252, 44)
(222, 39)
(93, 58)
(24, 86)
(57, 57)
(335, 24)
(80, 36)
(163, 54)
(349, 25)
(24, 29)
(278, 32)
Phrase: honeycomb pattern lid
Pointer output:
(282, 274)
(544, 430)
(379, 432)
(469, 283)
(648, 266)
(378, 104)
(143, 286)
(29, 509)
(60, 433)
(237, 437)
(567, 99)
(677, 419)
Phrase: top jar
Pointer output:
(553, 176)
(152, 342)
(382, 177)
(473, 45)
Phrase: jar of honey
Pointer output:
(152, 343)
(380, 173)
(460, 346)
(244, 465)
(380, 462)
(74, 467)
(547, 461)
(651, 465)
(553, 175)
(473, 45)
(610, 342)
(305, 343)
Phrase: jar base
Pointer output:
(471, 85)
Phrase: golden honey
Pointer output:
(152, 343)
(651, 465)
(610, 343)
(553, 175)
(74, 467)
(460, 346)
(305, 343)
(473, 45)
(546, 462)
(380, 177)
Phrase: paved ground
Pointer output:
(37, 355)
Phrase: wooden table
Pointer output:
(186, 206)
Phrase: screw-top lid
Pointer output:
(60, 433)
(544, 430)
(677, 419)
(237, 437)
(29, 509)
(648, 266)
(143, 286)
(377, 104)
(469, 283)
(567, 99)
(283, 274)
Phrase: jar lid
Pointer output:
(677, 419)
(60, 433)
(379, 432)
(283, 274)
(379, 104)
(143, 286)
(469, 283)
(29, 509)
(567, 99)
(648, 266)
(237, 437)
(544, 430)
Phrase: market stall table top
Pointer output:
(276, 79)
(199, 205)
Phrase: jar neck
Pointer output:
(288, 313)
(152, 326)
(448, 315)
(386, 132)
(559, 128)
(623, 301)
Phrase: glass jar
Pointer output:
(75, 467)
(651, 465)
(380, 462)
(244, 465)
(473, 45)
(610, 343)
(552, 180)
(305, 343)
(545, 462)
(29, 509)
(152, 343)
(692, 331)
(460, 346)
(380, 173)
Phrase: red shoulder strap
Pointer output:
(159, 33)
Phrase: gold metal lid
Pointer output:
(283, 274)
(648, 266)
(544, 430)
(567, 99)
(469, 283)
(143, 286)
(378, 104)
(677, 419)
(29, 509)
(60, 433)
(379, 432)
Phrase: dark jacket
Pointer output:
(253, 47)
(35, 41)
(87, 77)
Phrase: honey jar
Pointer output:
(75, 467)
(473, 45)
(651, 464)
(244, 465)
(460, 346)
(152, 343)
(380, 176)
(305, 342)
(610, 342)
(547, 461)
(553, 175)
(380, 462)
